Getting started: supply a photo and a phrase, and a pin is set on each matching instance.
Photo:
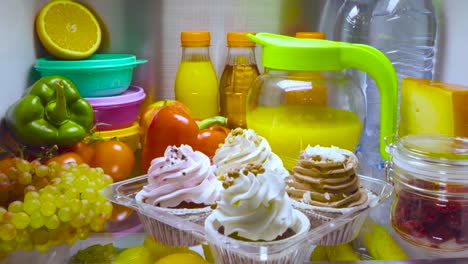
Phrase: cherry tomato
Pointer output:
(208, 139)
(67, 157)
(6, 163)
(84, 150)
(120, 213)
(114, 157)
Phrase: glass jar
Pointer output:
(430, 176)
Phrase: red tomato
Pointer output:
(114, 157)
(208, 140)
(6, 163)
(84, 150)
(67, 157)
(120, 213)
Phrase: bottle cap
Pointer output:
(239, 39)
(195, 38)
(312, 35)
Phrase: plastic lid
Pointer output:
(311, 35)
(132, 94)
(433, 158)
(239, 39)
(132, 130)
(438, 147)
(195, 38)
(96, 61)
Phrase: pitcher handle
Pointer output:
(380, 69)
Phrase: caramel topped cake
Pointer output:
(326, 177)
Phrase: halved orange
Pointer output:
(68, 30)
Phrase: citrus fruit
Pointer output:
(181, 258)
(68, 30)
(136, 254)
(159, 250)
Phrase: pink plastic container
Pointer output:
(114, 112)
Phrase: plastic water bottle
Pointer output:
(405, 31)
(352, 25)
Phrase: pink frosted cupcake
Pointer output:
(180, 183)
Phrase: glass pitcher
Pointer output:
(335, 108)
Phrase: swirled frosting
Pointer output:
(181, 175)
(326, 177)
(244, 146)
(254, 204)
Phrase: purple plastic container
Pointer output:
(118, 111)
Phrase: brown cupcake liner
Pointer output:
(161, 224)
(347, 226)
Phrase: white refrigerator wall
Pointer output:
(150, 29)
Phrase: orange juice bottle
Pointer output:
(239, 72)
(196, 84)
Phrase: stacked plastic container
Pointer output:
(104, 80)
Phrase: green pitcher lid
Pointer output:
(299, 54)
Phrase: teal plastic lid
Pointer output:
(96, 61)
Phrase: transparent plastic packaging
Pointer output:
(351, 219)
(430, 208)
(182, 229)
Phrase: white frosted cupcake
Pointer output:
(324, 184)
(180, 183)
(242, 147)
(254, 214)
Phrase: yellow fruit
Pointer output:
(319, 254)
(137, 254)
(159, 250)
(185, 258)
(68, 30)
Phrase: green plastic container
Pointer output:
(97, 76)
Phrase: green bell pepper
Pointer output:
(51, 112)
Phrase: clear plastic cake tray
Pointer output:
(185, 227)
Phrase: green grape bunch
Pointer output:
(46, 205)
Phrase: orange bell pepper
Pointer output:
(172, 126)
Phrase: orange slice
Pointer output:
(68, 30)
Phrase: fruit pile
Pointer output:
(44, 205)
(151, 252)
(429, 221)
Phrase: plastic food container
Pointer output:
(98, 75)
(352, 219)
(118, 111)
(129, 135)
(164, 226)
(228, 250)
(430, 208)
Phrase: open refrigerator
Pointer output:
(150, 30)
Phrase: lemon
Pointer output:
(68, 30)
(159, 250)
(185, 258)
(137, 254)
